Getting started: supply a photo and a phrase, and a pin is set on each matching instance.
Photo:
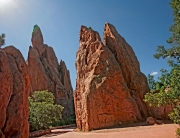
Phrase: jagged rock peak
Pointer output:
(37, 39)
(47, 74)
(66, 78)
(88, 35)
(37, 34)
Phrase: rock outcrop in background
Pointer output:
(19, 79)
(47, 74)
(14, 91)
(110, 86)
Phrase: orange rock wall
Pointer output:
(14, 92)
(109, 85)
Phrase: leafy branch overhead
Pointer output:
(174, 40)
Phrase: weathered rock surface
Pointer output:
(160, 112)
(14, 91)
(125, 56)
(151, 121)
(47, 74)
(109, 85)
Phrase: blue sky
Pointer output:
(143, 23)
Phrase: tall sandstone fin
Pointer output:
(15, 92)
(47, 74)
(126, 58)
(103, 96)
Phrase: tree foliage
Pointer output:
(172, 96)
(2, 40)
(42, 110)
(151, 82)
(174, 40)
(172, 78)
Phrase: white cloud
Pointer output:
(168, 57)
(154, 73)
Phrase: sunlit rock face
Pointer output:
(14, 91)
(109, 85)
(47, 74)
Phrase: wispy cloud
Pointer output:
(154, 73)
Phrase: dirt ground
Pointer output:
(138, 131)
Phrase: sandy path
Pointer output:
(160, 131)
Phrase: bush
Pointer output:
(65, 121)
(178, 132)
(42, 110)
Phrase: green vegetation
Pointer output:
(65, 121)
(151, 82)
(36, 27)
(178, 133)
(42, 110)
(2, 40)
(169, 79)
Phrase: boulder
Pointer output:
(47, 74)
(161, 112)
(109, 84)
(151, 121)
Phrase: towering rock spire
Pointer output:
(109, 84)
(126, 58)
(47, 74)
(37, 39)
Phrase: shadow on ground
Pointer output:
(58, 132)
(137, 124)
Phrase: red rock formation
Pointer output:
(109, 85)
(5, 88)
(14, 91)
(125, 56)
(161, 112)
(65, 79)
(47, 74)
(151, 121)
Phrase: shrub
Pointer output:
(65, 121)
(178, 132)
(42, 110)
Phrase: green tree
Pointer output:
(172, 97)
(172, 79)
(42, 110)
(2, 40)
(151, 82)
(174, 40)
